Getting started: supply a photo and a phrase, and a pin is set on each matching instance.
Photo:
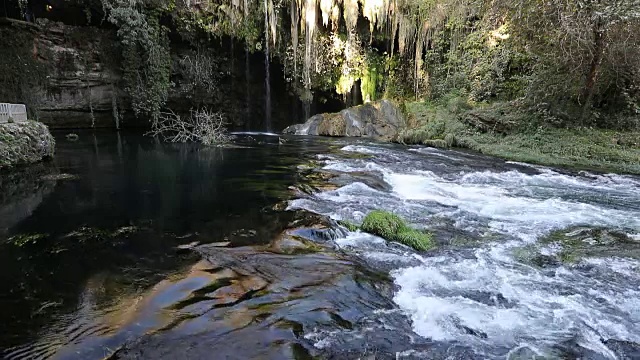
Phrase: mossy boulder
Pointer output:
(381, 120)
(24, 143)
(393, 228)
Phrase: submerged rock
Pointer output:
(22, 191)
(24, 143)
(581, 242)
(571, 245)
(380, 120)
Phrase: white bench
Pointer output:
(16, 112)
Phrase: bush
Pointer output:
(391, 227)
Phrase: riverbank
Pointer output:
(24, 143)
(502, 131)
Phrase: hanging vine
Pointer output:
(146, 64)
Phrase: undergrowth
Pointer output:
(510, 132)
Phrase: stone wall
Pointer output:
(82, 88)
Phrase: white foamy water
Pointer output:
(254, 133)
(488, 300)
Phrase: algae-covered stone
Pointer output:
(24, 143)
(393, 228)
(416, 239)
(571, 245)
(349, 225)
(383, 224)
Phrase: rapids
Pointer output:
(482, 296)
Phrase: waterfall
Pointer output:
(310, 20)
(247, 81)
(247, 71)
(267, 78)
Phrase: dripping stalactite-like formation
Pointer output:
(406, 27)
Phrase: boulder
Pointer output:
(24, 143)
(381, 120)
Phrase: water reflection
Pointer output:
(83, 250)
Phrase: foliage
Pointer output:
(22, 72)
(391, 227)
(199, 75)
(577, 61)
(146, 65)
(26, 239)
(588, 53)
(529, 138)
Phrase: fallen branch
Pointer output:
(203, 126)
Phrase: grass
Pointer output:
(518, 139)
(393, 228)
(349, 225)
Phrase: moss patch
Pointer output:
(383, 224)
(349, 225)
(26, 239)
(393, 228)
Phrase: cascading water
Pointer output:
(268, 13)
(493, 290)
(247, 71)
(310, 20)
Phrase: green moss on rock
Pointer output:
(416, 239)
(349, 225)
(383, 224)
(393, 228)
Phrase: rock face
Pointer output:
(82, 89)
(380, 120)
(24, 143)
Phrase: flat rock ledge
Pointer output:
(24, 143)
(380, 120)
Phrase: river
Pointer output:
(128, 248)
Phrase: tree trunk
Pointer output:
(594, 69)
